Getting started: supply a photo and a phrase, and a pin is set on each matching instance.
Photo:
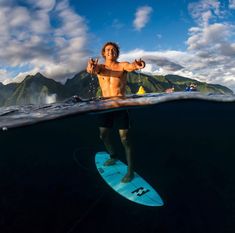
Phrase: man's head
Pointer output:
(110, 47)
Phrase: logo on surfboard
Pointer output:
(140, 191)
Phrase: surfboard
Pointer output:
(137, 190)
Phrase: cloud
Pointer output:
(208, 37)
(232, 4)
(205, 10)
(142, 17)
(3, 72)
(164, 62)
(45, 5)
(29, 37)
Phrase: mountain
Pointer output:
(37, 89)
(82, 84)
(6, 91)
(181, 82)
(148, 82)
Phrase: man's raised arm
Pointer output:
(136, 65)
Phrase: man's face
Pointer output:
(110, 52)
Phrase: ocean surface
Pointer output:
(183, 145)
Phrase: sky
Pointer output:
(194, 39)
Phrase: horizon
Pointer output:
(192, 39)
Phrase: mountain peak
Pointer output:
(39, 75)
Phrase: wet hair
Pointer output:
(110, 43)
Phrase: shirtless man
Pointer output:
(112, 81)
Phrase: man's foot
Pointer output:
(110, 162)
(128, 177)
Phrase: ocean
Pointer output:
(183, 146)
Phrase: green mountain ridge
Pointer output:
(38, 89)
(35, 89)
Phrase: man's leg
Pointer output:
(105, 135)
(129, 157)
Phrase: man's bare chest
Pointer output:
(107, 72)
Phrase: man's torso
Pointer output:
(112, 80)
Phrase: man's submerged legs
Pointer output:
(105, 135)
(129, 157)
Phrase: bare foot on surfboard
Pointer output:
(128, 177)
(110, 162)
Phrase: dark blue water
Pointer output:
(184, 147)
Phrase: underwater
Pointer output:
(183, 147)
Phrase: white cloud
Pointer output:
(164, 62)
(3, 72)
(142, 17)
(46, 5)
(205, 10)
(21, 17)
(232, 4)
(209, 36)
(27, 37)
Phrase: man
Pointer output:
(112, 80)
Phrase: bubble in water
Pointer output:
(4, 129)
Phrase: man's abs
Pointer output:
(112, 86)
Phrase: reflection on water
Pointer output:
(23, 115)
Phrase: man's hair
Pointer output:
(113, 44)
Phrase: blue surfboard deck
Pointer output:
(137, 190)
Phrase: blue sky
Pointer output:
(195, 39)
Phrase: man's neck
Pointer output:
(110, 62)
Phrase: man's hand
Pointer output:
(140, 64)
(92, 66)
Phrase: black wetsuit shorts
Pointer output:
(119, 119)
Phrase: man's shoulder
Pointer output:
(123, 63)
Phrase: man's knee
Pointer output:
(124, 139)
(104, 134)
